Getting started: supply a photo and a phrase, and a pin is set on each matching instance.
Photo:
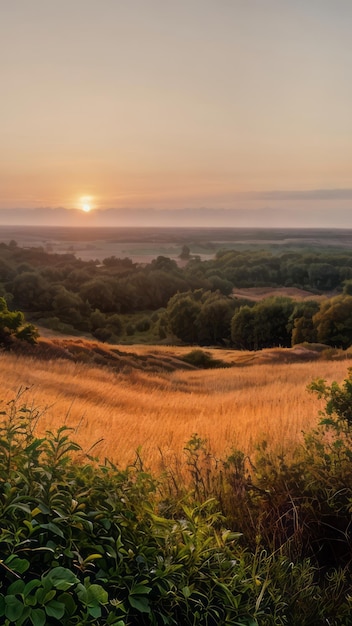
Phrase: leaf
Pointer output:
(140, 590)
(92, 595)
(141, 603)
(13, 608)
(55, 609)
(62, 578)
(20, 506)
(94, 611)
(53, 528)
(16, 564)
(49, 596)
(35, 511)
(16, 587)
(37, 617)
(92, 557)
(68, 601)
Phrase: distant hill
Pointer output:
(200, 217)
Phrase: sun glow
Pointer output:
(85, 203)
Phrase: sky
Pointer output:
(176, 104)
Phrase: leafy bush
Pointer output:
(143, 325)
(89, 543)
(13, 326)
(203, 359)
(84, 544)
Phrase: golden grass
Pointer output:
(234, 407)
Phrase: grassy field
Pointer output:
(235, 407)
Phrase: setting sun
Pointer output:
(86, 204)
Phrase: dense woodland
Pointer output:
(192, 303)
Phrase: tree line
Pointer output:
(210, 318)
(193, 302)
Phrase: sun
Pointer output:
(85, 203)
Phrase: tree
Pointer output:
(301, 322)
(14, 326)
(99, 293)
(243, 329)
(185, 253)
(30, 291)
(183, 311)
(214, 319)
(333, 322)
(323, 276)
(265, 325)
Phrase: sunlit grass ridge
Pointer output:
(235, 407)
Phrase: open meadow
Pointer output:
(160, 410)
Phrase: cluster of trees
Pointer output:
(204, 318)
(192, 303)
(201, 317)
(313, 271)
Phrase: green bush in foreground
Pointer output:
(13, 326)
(83, 543)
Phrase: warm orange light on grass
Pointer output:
(236, 407)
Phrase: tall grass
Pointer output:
(234, 407)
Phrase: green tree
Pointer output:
(265, 325)
(214, 319)
(30, 291)
(185, 253)
(333, 322)
(99, 293)
(301, 322)
(323, 276)
(183, 311)
(243, 329)
(13, 326)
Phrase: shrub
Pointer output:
(83, 543)
(143, 325)
(203, 359)
(13, 326)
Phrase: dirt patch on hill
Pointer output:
(259, 293)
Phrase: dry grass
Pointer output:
(259, 293)
(230, 407)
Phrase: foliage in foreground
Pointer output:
(13, 326)
(83, 543)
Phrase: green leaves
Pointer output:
(62, 578)
(13, 325)
(14, 564)
(90, 544)
(92, 597)
(138, 598)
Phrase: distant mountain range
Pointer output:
(201, 217)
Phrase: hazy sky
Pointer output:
(176, 103)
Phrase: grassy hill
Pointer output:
(143, 396)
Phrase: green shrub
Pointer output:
(202, 359)
(88, 543)
(143, 325)
(13, 326)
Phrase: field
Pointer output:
(160, 410)
(142, 245)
